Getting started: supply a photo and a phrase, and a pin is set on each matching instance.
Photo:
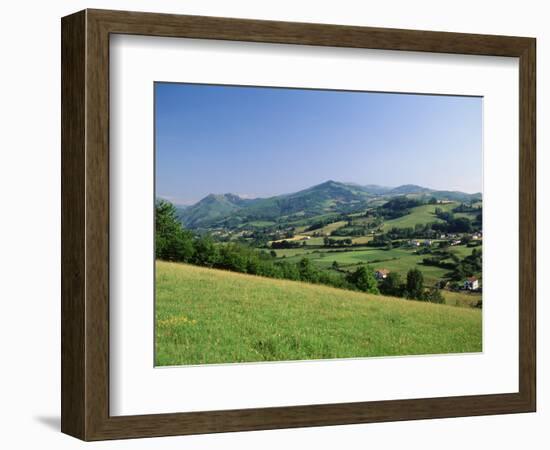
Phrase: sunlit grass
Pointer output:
(211, 316)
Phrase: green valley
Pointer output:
(332, 271)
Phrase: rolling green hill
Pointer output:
(211, 209)
(210, 316)
(231, 211)
(422, 214)
(409, 189)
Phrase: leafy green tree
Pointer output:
(363, 279)
(469, 266)
(415, 284)
(434, 295)
(461, 225)
(183, 246)
(254, 266)
(231, 257)
(172, 242)
(307, 270)
(289, 271)
(392, 285)
(206, 253)
(333, 279)
(444, 244)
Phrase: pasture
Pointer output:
(329, 228)
(207, 316)
(398, 260)
(419, 215)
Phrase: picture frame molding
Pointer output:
(85, 224)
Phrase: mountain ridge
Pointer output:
(327, 197)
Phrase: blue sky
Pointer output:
(259, 142)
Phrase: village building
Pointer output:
(381, 274)
(471, 283)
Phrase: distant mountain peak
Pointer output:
(228, 196)
(411, 186)
(328, 183)
(410, 189)
(233, 197)
(329, 196)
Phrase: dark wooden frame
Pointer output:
(85, 224)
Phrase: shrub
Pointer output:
(434, 296)
(415, 284)
(363, 279)
(391, 285)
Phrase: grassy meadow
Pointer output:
(206, 316)
(318, 243)
(419, 215)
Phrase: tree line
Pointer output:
(460, 268)
(397, 207)
(412, 288)
(174, 243)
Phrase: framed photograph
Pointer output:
(272, 225)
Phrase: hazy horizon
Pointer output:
(245, 196)
(262, 142)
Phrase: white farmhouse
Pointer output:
(471, 284)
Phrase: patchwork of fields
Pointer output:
(399, 260)
(395, 260)
(206, 316)
(419, 215)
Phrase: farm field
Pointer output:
(419, 215)
(362, 240)
(396, 260)
(339, 243)
(399, 260)
(467, 215)
(206, 316)
(292, 252)
(327, 229)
